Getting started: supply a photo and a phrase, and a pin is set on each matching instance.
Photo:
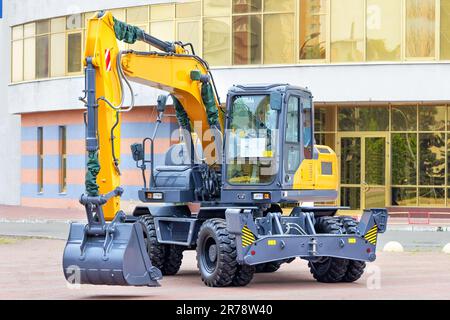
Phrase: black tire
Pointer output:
(243, 276)
(167, 258)
(355, 268)
(173, 260)
(268, 267)
(328, 269)
(216, 254)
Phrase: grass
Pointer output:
(5, 241)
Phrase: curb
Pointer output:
(446, 249)
(393, 246)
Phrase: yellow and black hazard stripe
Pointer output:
(371, 235)
(247, 237)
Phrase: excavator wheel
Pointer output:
(244, 275)
(268, 267)
(328, 269)
(355, 268)
(165, 257)
(216, 255)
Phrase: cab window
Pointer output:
(292, 140)
(251, 141)
(307, 118)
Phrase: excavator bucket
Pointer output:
(100, 253)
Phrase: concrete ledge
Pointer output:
(393, 246)
(446, 249)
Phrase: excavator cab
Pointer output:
(270, 155)
(270, 150)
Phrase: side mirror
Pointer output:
(276, 101)
(162, 101)
(137, 150)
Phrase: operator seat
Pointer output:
(176, 173)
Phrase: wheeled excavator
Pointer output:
(241, 163)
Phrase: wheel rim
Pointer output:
(209, 255)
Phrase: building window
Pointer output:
(251, 32)
(216, 8)
(383, 30)
(42, 49)
(162, 22)
(347, 30)
(313, 29)
(404, 159)
(74, 35)
(445, 30)
(279, 41)
(40, 159)
(29, 49)
(404, 118)
(366, 118)
(138, 16)
(217, 32)
(17, 54)
(74, 52)
(420, 155)
(432, 118)
(420, 28)
(188, 21)
(432, 159)
(58, 47)
(247, 39)
(263, 32)
(62, 159)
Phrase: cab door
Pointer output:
(292, 140)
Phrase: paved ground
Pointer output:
(31, 269)
(425, 240)
(17, 213)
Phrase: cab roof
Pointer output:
(266, 88)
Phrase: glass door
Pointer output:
(363, 168)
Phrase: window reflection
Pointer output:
(404, 197)
(247, 39)
(351, 197)
(404, 118)
(432, 159)
(247, 6)
(445, 29)
(351, 160)
(368, 118)
(420, 28)
(326, 139)
(431, 197)
(432, 118)
(404, 159)
(313, 29)
(347, 30)
(375, 163)
(324, 118)
(217, 41)
(383, 30)
(278, 38)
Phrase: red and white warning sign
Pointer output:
(108, 59)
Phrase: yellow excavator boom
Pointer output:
(180, 73)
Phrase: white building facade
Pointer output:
(379, 71)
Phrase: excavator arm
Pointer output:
(173, 69)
